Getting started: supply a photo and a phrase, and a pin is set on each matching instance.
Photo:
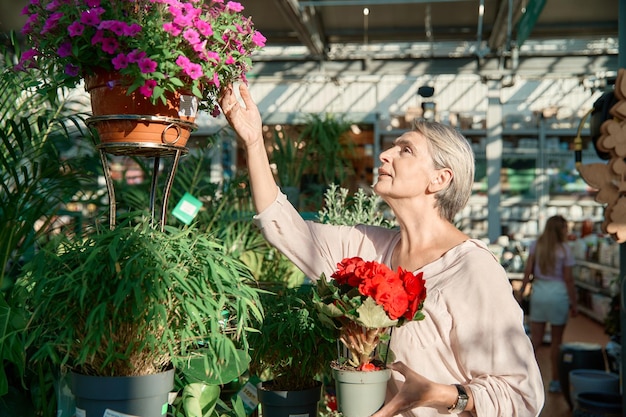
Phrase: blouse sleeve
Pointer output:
(316, 248)
(495, 354)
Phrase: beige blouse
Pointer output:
(473, 332)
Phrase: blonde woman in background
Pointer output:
(553, 296)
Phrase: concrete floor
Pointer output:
(579, 329)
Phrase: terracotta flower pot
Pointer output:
(119, 117)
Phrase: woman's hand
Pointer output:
(246, 119)
(416, 391)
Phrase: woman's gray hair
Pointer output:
(450, 149)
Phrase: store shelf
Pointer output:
(594, 287)
(591, 314)
(597, 266)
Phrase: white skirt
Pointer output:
(549, 302)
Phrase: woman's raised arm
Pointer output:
(246, 121)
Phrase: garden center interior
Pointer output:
(517, 77)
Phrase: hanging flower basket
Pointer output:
(154, 47)
(132, 119)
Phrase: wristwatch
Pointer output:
(461, 400)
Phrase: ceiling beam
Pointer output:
(304, 23)
(319, 3)
(506, 19)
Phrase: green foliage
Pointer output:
(292, 346)
(291, 158)
(200, 394)
(129, 301)
(340, 208)
(226, 214)
(328, 147)
(36, 182)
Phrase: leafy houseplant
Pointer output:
(292, 346)
(291, 158)
(158, 46)
(134, 301)
(329, 148)
(341, 208)
(291, 352)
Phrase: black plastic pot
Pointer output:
(598, 404)
(140, 396)
(289, 403)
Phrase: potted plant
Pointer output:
(290, 353)
(175, 53)
(329, 149)
(364, 300)
(291, 159)
(125, 305)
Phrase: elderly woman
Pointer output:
(471, 355)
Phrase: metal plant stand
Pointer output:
(156, 151)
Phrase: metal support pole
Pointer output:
(146, 150)
(622, 247)
(110, 188)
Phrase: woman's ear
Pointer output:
(441, 180)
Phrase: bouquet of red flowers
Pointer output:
(366, 298)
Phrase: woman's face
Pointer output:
(407, 167)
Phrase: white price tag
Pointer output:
(110, 413)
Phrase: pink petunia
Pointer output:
(65, 49)
(194, 71)
(72, 70)
(132, 30)
(172, 29)
(146, 65)
(204, 27)
(182, 61)
(110, 45)
(148, 88)
(192, 36)
(27, 60)
(51, 22)
(52, 6)
(120, 61)
(114, 26)
(234, 6)
(91, 17)
(92, 3)
(258, 39)
(135, 56)
(200, 48)
(75, 29)
(229, 60)
(213, 55)
(98, 37)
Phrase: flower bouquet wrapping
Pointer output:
(364, 300)
(158, 46)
